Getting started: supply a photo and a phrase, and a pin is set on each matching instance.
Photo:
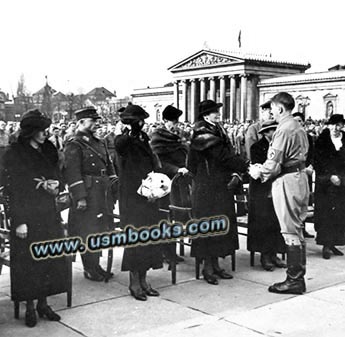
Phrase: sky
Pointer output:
(126, 45)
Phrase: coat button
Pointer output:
(97, 181)
(93, 164)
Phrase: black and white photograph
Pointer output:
(172, 168)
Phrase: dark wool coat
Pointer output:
(329, 212)
(31, 279)
(136, 160)
(212, 161)
(263, 225)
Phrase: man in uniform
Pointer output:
(252, 133)
(89, 173)
(285, 165)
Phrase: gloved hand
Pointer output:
(255, 171)
(22, 231)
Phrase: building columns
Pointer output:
(243, 108)
(193, 101)
(203, 94)
(185, 100)
(222, 97)
(212, 88)
(232, 98)
(176, 94)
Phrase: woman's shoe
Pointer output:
(150, 291)
(336, 251)
(277, 261)
(107, 276)
(48, 312)
(209, 278)
(30, 318)
(266, 262)
(223, 274)
(93, 275)
(326, 252)
(138, 294)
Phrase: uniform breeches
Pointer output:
(290, 193)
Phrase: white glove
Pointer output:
(255, 171)
(182, 170)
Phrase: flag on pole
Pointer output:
(239, 39)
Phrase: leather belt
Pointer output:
(293, 168)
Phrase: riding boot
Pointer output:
(296, 268)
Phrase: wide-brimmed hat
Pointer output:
(87, 112)
(266, 105)
(33, 121)
(208, 106)
(267, 125)
(170, 113)
(132, 113)
(335, 119)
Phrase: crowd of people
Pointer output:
(282, 156)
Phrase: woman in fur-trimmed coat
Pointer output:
(212, 162)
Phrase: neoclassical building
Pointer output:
(231, 78)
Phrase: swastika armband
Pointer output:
(275, 155)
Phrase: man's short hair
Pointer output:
(285, 99)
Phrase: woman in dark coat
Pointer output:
(329, 164)
(34, 216)
(136, 160)
(171, 149)
(213, 163)
(263, 226)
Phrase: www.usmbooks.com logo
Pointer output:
(131, 236)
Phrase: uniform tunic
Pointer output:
(212, 161)
(136, 160)
(88, 171)
(32, 279)
(290, 191)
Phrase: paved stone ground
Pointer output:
(238, 307)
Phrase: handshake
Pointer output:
(255, 171)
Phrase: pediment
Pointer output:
(204, 59)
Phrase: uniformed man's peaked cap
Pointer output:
(88, 112)
(266, 105)
(170, 113)
(133, 112)
(267, 125)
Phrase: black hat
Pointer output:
(122, 109)
(335, 119)
(208, 106)
(88, 112)
(267, 125)
(171, 114)
(266, 105)
(299, 114)
(132, 113)
(33, 121)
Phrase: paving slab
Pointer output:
(299, 316)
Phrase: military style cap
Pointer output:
(132, 113)
(88, 112)
(170, 113)
(267, 125)
(266, 105)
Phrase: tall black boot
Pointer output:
(294, 283)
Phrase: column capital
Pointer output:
(232, 76)
(222, 77)
(192, 80)
(211, 78)
(202, 79)
(244, 75)
(184, 81)
(176, 82)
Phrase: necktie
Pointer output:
(57, 142)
